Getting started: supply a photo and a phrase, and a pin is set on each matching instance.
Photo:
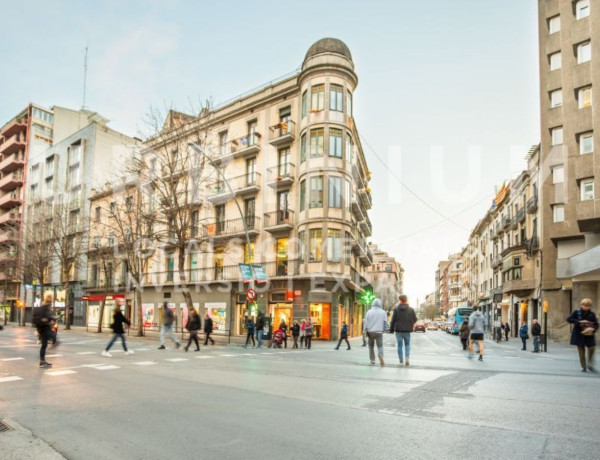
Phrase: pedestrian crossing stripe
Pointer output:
(86, 353)
(142, 349)
(176, 360)
(229, 356)
(12, 378)
(145, 363)
(107, 367)
(57, 373)
(204, 357)
(53, 356)
(11, 359)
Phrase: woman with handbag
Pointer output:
(193, 325)
(524, 334)
(585, 325)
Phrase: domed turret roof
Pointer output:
(328, 45)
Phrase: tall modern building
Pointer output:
(569, 37)
(282, 166)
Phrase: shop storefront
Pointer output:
(218, 313)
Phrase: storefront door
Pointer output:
(320, 315)
(282, 312)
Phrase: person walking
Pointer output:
(284, 329)
(309, 330)
(464, 333)
(375, 325)
(208, 328)
(295, 333)
(194, 323)
(250, 331)
(536, 331)
(477, 329)
(302, 333)
(167, 327)
(43, 320)
(585, 325)
(118, 329)
(524, 334)
(343, 336)
(260, 325)
(506, 330)
(403, 321)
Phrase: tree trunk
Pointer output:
(138, 301)
(101, 313)
(67, 306)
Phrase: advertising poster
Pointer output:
(148, 313)
(218, 312)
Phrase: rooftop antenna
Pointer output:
(85, 65)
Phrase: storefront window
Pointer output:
(316, 240)
(282, 257)
(320, 315)
(218, 313)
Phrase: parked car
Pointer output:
(448, 326)
(419, 326)
(432, 326)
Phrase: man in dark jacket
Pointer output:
(208, 328)
(43, 320)
(167, 327)
(260, 325)
(403, 320)
(536, 331)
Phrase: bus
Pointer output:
(457, 316)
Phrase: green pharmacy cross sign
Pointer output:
(367, 297)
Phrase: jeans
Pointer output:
(114, 339)
(307, 341)
(45, 335)
(536, 343)
(375, 337)
(194, 337)
(590, 360)
(340, 342)
(259, 338)
(403, 339)
(168, 331)
(524, 340)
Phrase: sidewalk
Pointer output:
(18, 443)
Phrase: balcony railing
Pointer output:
(281, 219)
(13, 144)
(505, 222)
(365, 196)
(11, 163)
(521, 215)
(10, 200)
(281, 175)
(232, 227)
(14, 126)
(9, 218)
(497, 261)
(532, 204)
(245, 145)
(358, 278)
(246, 183)
(282, 132)
(11, 181)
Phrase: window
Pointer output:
(584, 97)
(584, 52)
(349, 103)
(316, 192)
(586, 143)
(336, 98)
(301, 246)
(129, 203)
(317, 142)
(113, 208)
(555, 61)
(74, 175)
(556, 98)
(223, 144)
(194, 223)
(74, 154)
(335, 192)
(304, 104)
(558, 213)
(302, 195)
(586, 187)
(250, 212)
(349, 147)
(554, 24)
(347, 247)
(335, 142)
(170, 266)
(317, 101)
(283, 163)
(558, 174)
(96, 242)
(557, 135)
(303, 148)
(582, 9)
(128, 236)
(220, 218)
(315, 245)
(251, 171)
(98, 212)
(334, 245)
(347, 195)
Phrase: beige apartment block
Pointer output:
(569, 33)
(281, 166)
(386, 275)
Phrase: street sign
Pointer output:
(251, 294)
(246, 272)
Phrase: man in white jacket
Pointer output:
(375, 324)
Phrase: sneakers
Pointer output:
(130, 352)
(44, 364)
(186, 348)
(107, 354)
(162, 347)
(480, 358)
(407, 363)
(381, 361)
(177, 345)
(348, 348)
(372, 363)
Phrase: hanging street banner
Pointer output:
(259, 273)
(246, 272)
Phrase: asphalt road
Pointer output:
(231, 402)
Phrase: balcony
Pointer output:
(514, 223)
(357, 208)
(521, 215)
(9, 201)
(505, 223)
(365, 225)
(245, 145)
(11, 218)
(279, 221)
(519, 287)
(12, 145)
(232, 228)
(8, 237)
(497, 261)
(365, 196)
(583, 264)
(11, 163)
(358, 279)
(11, 181)
(281, 175)
(532, 204)
(14, 127)
(241, 185)
(282, 133)
(282, 267)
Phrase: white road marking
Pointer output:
(92, 365)
(11, 359)
(176, 360)
(145, 363)
(79, 343)
(53, 356)
(57, 373)
(13, 378)
(107, 367)
(117, 351)
(142, 349)
(229, 356)
(204, 357)
(86, 352)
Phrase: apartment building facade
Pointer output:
(277, 181)
(386, 275)
(570, 213)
